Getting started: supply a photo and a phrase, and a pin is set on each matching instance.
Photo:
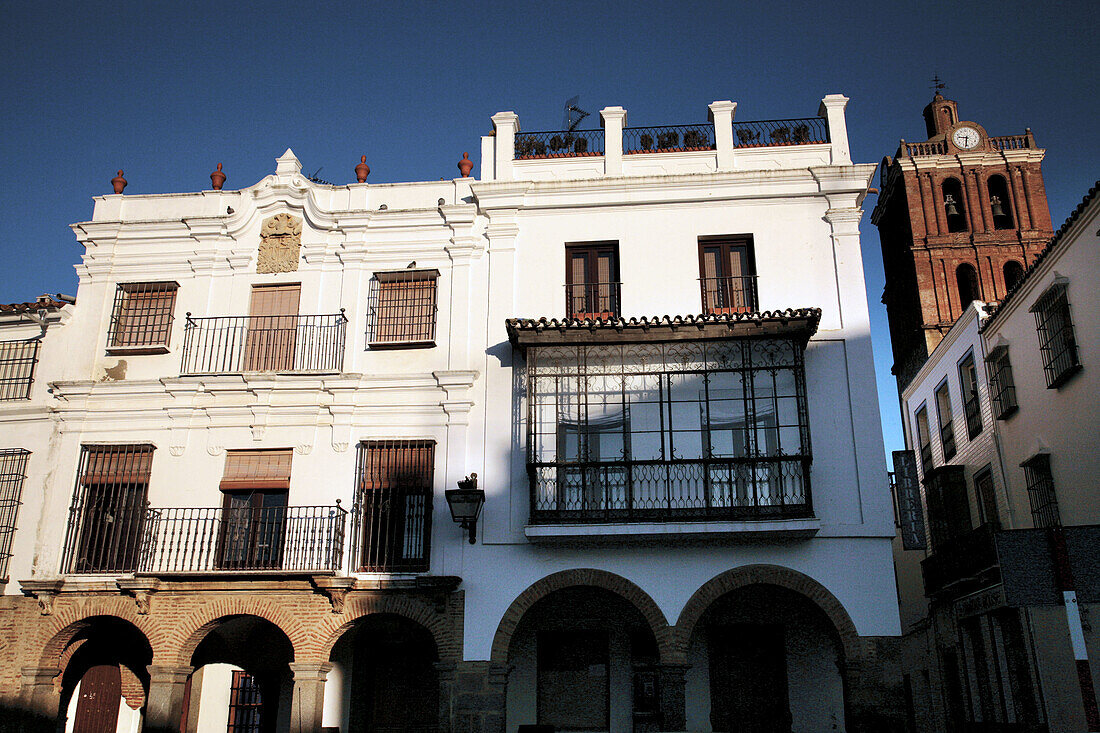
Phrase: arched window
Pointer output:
(953, 205)
(1000, 203)
(967, 280)
(1014, 273)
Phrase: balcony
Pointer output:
(963, 564)
(670, 491)
(279, 343)
(595, 301)
(726, 295)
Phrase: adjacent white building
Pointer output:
(651, 346)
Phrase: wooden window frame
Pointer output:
(972, 406)
(138, 327)
(592, 295)
(258, 519)
(946, 424)
(924, 437)
(237, 688)
(718, 292)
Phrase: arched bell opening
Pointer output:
(954, 205)
(765, 659)
(1014, 273)
(584, 658)
(241, 681)
(105, 680)
(966, 278)
(383, 678)
(1000, 203)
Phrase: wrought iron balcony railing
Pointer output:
(219, 539)
(724, 295)
(668, 138)
(666, 491)
(563, 144)
(290, 343)
(594, 301)
(766, 133)
(962, 563)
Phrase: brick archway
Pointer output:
(616, 584)
(191, 631)
(70, 622)
(441, 626)
(742, 577)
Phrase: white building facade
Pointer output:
(651, 346)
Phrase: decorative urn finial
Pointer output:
(217, 178)
(118, 182)
(362, 170)
(465, 165)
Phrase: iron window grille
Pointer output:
(1040, 491)
(246, 705)
(392, 516)
(107, 515)
(943, 414)
(968, 379)
(17, 362)
(672, 431)
(402, 309)
(1002, 388)
(13, 470)
(1057, 342)
(141, 320)
(924, 438)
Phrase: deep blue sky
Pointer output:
(166, 90)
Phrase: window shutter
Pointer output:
(257, 469)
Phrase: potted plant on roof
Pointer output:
(645, 142)
(800, 133)
(695, 140)
(667, 141)
(781, 135)
(747, 137)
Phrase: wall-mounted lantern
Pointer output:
(466, 502)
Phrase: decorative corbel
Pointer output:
(44, 591)
(142, 589)
(335, 589)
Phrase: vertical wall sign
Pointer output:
(910, 509)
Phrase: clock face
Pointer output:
(966, 138)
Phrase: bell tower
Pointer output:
(960, 217)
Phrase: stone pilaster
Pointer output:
(673, 696)
(39, 699)
(479, 697)
(308, 700)
(720, 114)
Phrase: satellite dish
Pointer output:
(573, 114)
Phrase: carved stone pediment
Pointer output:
(280, 244)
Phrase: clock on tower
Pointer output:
(960, 217)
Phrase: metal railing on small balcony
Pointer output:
(593, 301)
(765, 133)
(725, 295)
(1010, 142)
(962, 562)
(560, 144)
(279, 343)
(675, 490)
(668, 138)
(219, 539)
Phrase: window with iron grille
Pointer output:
(1001, 387)
(968, 379)
(727, 275)
(402, 308)
(17, 362)
(393, 507)
(924, 437)
(13, 469)
(246, 705)
(107, 515)
(943, 413)
(592, 286)
(1057, 342)
(141, 321)
(1040, 491)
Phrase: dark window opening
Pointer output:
(1057, 341)
(727, 275)
(948, 504)
(573, 687)
(966, 278)
(986, 495)
(954, 206)
(1040, 491)
(1014, 273)
(393, 511)
(968, 378)
(947, 427)
(924, 437)
(592, 287)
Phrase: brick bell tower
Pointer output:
(960, 217)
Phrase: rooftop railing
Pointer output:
(561, 144)
(767, 133)
(279, 343)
